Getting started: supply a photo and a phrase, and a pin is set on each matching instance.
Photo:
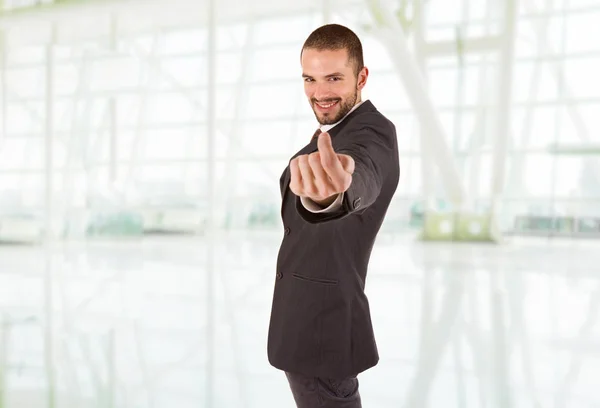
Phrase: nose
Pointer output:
(322, 93)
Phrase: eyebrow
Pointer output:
(335, 74)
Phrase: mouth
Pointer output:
(326, 106)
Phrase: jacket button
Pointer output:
(279, 275)
(356, 203)
(287, 231)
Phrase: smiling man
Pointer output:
(335, 194)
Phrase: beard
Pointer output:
(345, 106)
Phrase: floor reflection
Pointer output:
(458, 325)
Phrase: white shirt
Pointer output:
(309, 204)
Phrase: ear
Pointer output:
(362, 78)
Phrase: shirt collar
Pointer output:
(327, 128)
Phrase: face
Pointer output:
(330, 83)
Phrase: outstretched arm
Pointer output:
(357, 170)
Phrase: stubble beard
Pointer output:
(345, 107)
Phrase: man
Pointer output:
(335, 193)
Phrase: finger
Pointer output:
(347, 163)
(308, 185)
(329, 158)
(322, 182)
(331, 163)
(324, 144)
(295, 177)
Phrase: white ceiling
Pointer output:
(168, 10)
(91, 18)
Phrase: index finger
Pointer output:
(329, 159)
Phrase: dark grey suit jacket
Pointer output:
(320, 319)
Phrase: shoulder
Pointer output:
(370, 118)
(373, 122)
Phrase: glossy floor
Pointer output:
(458, 325)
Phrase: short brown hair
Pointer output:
(337, 37)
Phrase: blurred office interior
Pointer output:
(141, 145)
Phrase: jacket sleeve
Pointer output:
(372, 148)
(281, 181)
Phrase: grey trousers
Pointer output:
(315, 392)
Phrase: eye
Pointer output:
(335, 79)
(308, 80)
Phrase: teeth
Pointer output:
(327, 106)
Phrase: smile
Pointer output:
(326, 106)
